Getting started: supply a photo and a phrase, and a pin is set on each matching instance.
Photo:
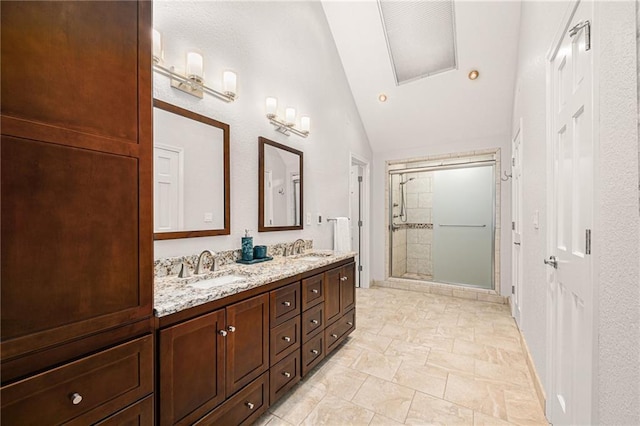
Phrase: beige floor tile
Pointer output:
(476, 394)
(429, 380)
(452, 363)
(435, 342)
(456, 332)
(385, 398)
(346, 353)
(508, 343)
(481, 419)
(370, 342)
(336, 411)
(337, 380)
(296, 406)
(426, 409)
(491, 354)
(523, 407)
(415, 353)
(502, 373)
(379, 420)
(377, 364)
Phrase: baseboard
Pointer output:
(537, 383)
(470, 293)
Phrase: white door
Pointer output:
(355, 181)
(268, 197)
(570, 279)
(168, 194)
(516, 226)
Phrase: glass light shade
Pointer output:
(195, 65)
(305, 123)
(157, 46)
(271, 106)
(229, 79)
(290, 115)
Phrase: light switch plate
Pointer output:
(308, 218)
(319, 218)
(208, 217)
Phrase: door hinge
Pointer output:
(587, 33)
(513, 161)
(360, 223)
(587, 237)
(513, 289)
(513, 226)
(359, 178)
(359, 268)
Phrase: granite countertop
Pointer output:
(173, 294)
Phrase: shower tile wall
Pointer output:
(418, 248)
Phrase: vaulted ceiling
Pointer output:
(442, 108)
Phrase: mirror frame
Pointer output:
(261, 227)
(157, 103)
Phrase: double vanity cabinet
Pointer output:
(226, 361)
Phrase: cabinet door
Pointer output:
(332, 286)
(347, 288)
(76, 222)
(192, 369)
(247, 341)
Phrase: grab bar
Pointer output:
(464, 226)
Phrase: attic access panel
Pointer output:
(420, 37)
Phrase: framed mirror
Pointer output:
(280, 187)
(190, 174)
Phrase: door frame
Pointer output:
(517, 281)
(556, 42)
(365, 208)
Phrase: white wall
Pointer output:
(281, 49)
(616, 242)
(431, 147)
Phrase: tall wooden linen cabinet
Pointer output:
(76, 203)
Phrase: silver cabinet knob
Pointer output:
(314, 321)
(315, 290)
(286, 374)
(286, 338)
(223, 333)
(349, 323)
(75, 398)
(250, 405)
(286, 303)
(315, 351)
(231, 328)
(335, 336)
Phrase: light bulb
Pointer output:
(229, 80)
(195, 67)
(271, 106)
(305, 123)
(157, 47)
(290, 115)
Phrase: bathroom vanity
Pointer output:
(226, 353)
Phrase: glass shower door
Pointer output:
(463, 226)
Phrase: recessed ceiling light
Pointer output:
(474, 74)
(382, 97)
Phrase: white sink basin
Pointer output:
(212, 282)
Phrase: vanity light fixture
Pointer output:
(193, 82)
(287, 126)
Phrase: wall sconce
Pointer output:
(193, 82)
(287, 126)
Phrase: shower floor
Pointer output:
(417, 276)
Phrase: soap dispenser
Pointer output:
(247, 246)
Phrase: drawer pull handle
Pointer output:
(349, 323)
(286, 338)
(231, 328)
(343, 278)
(286, 374)
(315, 351)
(286, 303)
(314, 321)
(335, 336)
(75, 398)
(250, 405)
(223, 333)
(315, 290)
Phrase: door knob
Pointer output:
(552, 261)
(286, 304)
(315, 290)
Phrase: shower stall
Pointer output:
(442, 222)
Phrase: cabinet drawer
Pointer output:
(285, 339)
(118, 376)
(244, 407)
(336, 332)
(283, 376)
(312, 321)
(312, 291)
(312, 353)
(285, 303)
(139, 414)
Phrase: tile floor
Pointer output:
(418, 359)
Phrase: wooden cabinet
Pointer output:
(205, 360)
(339, 302)
(76, 214)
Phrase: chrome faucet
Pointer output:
(300, 247)
(199, 264)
